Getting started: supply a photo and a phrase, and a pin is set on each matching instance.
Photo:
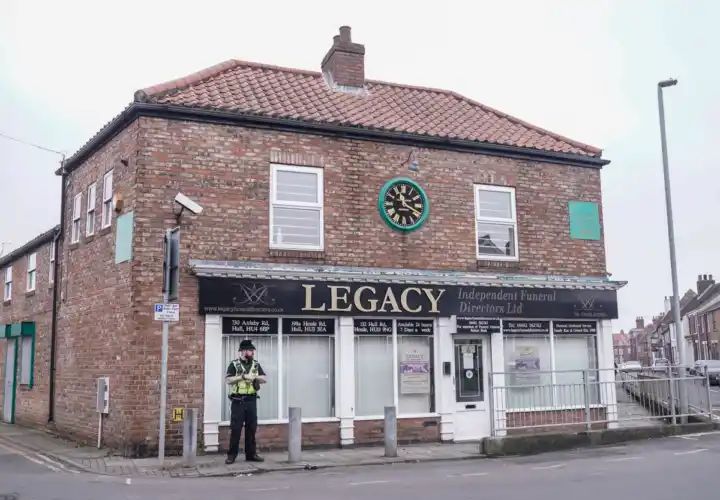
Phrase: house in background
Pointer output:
(622, 347)
(28, 275)
(703, 320)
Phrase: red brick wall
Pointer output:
(274, 436)
(410, 430)
(226, 169)
(105, 316)
(532, 422)
(31, 403)
(96, 330)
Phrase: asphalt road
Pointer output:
(667, 469)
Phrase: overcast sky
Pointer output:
(584, 69)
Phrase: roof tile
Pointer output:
(257, 89)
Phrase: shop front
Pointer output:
(344, 343)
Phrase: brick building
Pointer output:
(381, 244)
(701, 320)
(622, 347)
(28, 274)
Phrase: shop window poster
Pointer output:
(525, 365)
(414, 373)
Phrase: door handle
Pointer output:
(470, 407)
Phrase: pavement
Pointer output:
(41, 445)
(662, 469)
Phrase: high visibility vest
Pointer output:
(244, 387)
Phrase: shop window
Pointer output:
(296, 213)
(27, 360)
(75, 229)
(376, 367)
(308, 374)
(544, 371)
(415, 388)
(267, 356)
(301, 367)
(528, 371)
(7, 289)
(31, 271)
(496, 223)
(573, 355)
(373, 370)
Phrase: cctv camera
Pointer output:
(186, 202)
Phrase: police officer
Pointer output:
(244, 376)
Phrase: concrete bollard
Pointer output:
(390, 432)
(294, 434)
(190, 437)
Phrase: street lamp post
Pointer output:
(671, 240)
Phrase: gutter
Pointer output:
(56, 286)
(138, 109)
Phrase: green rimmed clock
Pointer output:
(403, 204)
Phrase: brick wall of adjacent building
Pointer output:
(31, 403)
(106, 311)
(96, 331)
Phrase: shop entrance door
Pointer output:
(472, 420)
(8, 412)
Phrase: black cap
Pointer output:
(246, 345)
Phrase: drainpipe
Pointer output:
(56, 287)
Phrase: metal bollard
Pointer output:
(294, 434)
(190, 437)
(390, 432)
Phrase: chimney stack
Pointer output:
(704, 282)
(640, 322)
(344, 65)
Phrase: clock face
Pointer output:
(403, 204)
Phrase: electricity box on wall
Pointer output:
(103, 395)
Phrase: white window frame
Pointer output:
(476, 218)
(279, 419)
(107, 207)
(553, 363)
(435, 401)
(7, 289)
(51, 267)
(90, 211)
(31, 272)
(319, 205)
(75, 228)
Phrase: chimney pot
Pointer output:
(344, 64)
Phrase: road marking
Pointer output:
(691, 452)
(363, 483)
(699, 434)
(548, 467)
(474, 474)
(128, 481)
(62, 466)
(623, 459)
(271, 489)
(28, 457)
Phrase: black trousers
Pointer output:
(243, 413)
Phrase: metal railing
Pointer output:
(574, 400)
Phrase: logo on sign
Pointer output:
(254, 294)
